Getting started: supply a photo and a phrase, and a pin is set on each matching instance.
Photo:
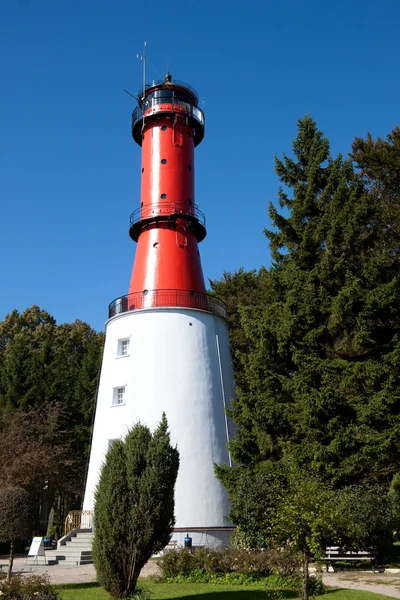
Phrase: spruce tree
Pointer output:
(321, 379)
(238, 290)
(319, 374)
(134, 506)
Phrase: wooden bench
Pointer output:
(338, 554)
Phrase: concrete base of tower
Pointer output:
(209, 537)
(177, 361)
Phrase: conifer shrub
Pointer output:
(134, 506)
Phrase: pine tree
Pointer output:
(134, 506)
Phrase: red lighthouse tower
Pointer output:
(167, 345)
(168, 125)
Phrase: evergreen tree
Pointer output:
(322, 376)
(238, 290)
(134, 506)
(319, 382)
(48, 372)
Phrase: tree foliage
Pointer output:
(134, 506)
(238, 290)
(48, 385)
(364, 517)
(15, 516)
(14, 513)
(37, 456)
(321, 366)
(319, 362)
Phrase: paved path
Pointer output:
(59, 574)
(387, 584)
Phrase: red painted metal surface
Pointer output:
(167, 259)
(167, 255)
(167, 163)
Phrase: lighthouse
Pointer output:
(167, 345)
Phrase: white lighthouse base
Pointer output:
(207, 537)
(178, 362)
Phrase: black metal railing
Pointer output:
(167, 298)
(155, 105)
(166, 209)
(169, 213)
(161, 105)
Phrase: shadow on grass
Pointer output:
(255, 594)
(78, 586)
(247, 594)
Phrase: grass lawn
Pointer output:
(204, 591)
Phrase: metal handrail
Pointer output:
(155, 105)
(78, 519)
(166, 209)
(167, 298)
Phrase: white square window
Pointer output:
(119, 396)
(123, 347)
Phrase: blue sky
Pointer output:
(70, 171)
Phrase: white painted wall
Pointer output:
(179, 362)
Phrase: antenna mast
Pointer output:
(144, 67)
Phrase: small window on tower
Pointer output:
(163, 127)
(123, 347)
(190, 167)
(118, 396)
(163, 161)
(163, 196)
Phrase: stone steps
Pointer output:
(74, 549)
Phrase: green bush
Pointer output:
(176, 562)
(208, 564)
(284, 561)
(252, 562)
(134, 506)
(28, 587)
(316, 586)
